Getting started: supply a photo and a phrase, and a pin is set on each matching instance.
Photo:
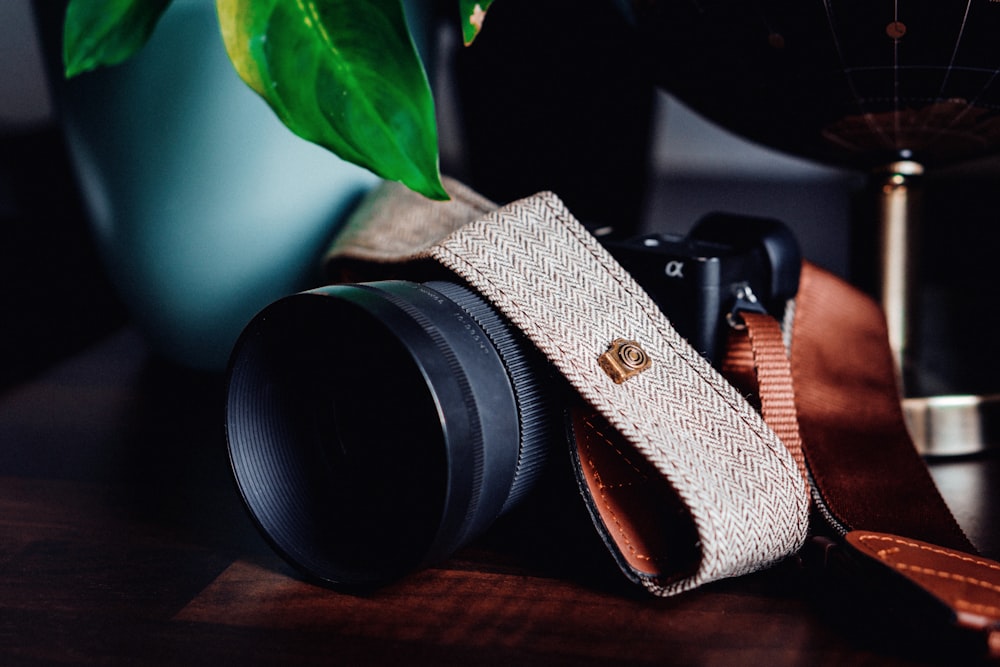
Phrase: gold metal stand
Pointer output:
(899, 221)
(939, 425)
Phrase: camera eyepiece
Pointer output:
(376, 428)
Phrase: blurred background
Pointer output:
(520, 111)
(54, 296)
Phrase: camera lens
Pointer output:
(376, 428)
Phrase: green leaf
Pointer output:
(343, 74)
(472, 13)
(106, 32)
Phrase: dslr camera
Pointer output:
(375, 428)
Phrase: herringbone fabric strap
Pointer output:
(394, 223)
(555, 282)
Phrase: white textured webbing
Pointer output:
(538, 266)
(393, 223)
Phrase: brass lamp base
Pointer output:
(959, 425)
(954, 425)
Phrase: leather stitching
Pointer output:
(945, 574)
(604, 496)
(886, 555)
(618, 451)
(936, 550)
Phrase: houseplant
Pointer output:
(159, 140)
(341, 73)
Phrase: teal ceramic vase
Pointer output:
(204, 206)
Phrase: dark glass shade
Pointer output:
(849, 82)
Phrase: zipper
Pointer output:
(823, 509)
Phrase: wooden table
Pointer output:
(122, 541)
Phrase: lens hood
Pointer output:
(376, 428)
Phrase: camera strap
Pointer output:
(897, 546)
(856, 452)
(684, 480)
(733, 500)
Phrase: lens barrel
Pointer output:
(376, 428)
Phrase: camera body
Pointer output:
(726, 263)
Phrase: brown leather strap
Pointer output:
(965, 587)
(645, 526)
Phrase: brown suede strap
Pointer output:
(837, 403)
(863, 464)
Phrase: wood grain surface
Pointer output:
(122, 541)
